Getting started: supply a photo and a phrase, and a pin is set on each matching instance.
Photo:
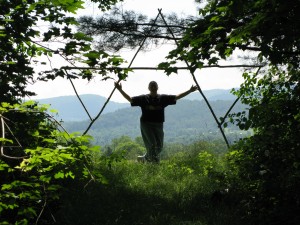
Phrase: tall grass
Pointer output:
(185, 188)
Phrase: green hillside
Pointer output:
(70, 108)
(186, 122)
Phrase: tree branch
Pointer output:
(157, 68)
(141, 35)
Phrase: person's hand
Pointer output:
(118, 86)
(193, 88)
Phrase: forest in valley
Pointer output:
(52, 175)
(186, 122)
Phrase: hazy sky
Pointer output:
(137, 81)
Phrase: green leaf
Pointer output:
(70, 174)
(5, 187)
(82, 36)
(59, 175)
(4, 140)
(53, 111)
(45, 178)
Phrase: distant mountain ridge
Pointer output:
(212, 95)
(70, 109)
(185, 122)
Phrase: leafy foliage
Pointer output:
(106, 4)
(37, 159)
(273, 151)
(267, 28)
(46, 162)
(24, 44)
(126, 147)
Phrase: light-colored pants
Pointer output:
(153, 137)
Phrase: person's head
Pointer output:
(153, 87)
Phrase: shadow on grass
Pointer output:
(105, 204)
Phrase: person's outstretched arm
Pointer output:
(192, 89)
(125, 95)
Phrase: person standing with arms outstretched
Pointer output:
(151, 123)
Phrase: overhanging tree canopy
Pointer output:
(24, 40)
(119, 29)
(269, 28)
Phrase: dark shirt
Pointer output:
(153, 108)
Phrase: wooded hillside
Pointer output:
(70, 109)
(186, 121)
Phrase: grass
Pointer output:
(152, 194)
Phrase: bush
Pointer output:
(31, 183)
